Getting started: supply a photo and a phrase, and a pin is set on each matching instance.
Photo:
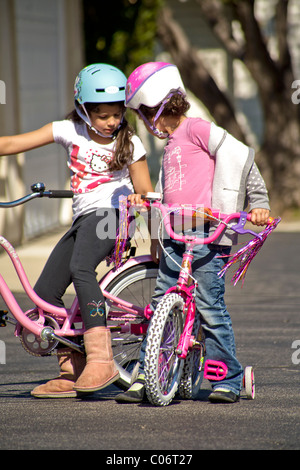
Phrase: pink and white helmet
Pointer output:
(150, 83)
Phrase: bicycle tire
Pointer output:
(136, 285)
(249, 382)
(192, 378)
(163, 367)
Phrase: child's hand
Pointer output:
(135, 199)
(260, 216)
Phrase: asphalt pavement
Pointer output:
(266, 319)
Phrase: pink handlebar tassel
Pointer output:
(246, 254)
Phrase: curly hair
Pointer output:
(123, 151)
(176, 106)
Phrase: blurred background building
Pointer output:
(41, 51)
(42, 48)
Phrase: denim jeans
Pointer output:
(210, 304)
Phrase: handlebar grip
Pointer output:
(59, 193)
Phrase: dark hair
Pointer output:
(176, 106)
(123, 152)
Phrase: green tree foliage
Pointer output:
(121, 32)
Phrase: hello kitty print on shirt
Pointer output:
(93, 167)
(93, 183)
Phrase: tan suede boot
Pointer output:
(100, 370)
(71, 365)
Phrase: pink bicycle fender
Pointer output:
(108, 277)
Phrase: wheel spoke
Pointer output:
(162, 365)
(136, 286)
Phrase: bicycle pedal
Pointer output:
(215, 370)
(3, 318)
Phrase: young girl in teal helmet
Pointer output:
(106, 160)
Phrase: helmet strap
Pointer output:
(153, 127)
(86, 118)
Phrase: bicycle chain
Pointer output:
(126, 318)
(56, 352)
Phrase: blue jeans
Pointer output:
(210, 304)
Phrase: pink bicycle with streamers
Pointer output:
(175, 350)
(127, 289)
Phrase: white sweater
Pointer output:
(237, 180)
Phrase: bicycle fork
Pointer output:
(186, 285)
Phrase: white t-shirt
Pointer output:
(93, 184)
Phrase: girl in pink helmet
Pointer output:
(202, 165)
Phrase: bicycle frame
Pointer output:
(186, 284)
(69, 316)
(122, 312)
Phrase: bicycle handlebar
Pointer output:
(211, 215)
(59, 193)
(38, 190)
(243, 256)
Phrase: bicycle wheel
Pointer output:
(135, 285)
(249, 382)
(163, 368)
(192, 375)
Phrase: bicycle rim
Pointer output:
(135, 285)
(163, 368)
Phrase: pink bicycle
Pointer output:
(175, 351)
(127, 290)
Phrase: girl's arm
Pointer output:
(258, 197)
(11, 145)
(140, 177)
(141, 181)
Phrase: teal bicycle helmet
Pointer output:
(98, 83)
